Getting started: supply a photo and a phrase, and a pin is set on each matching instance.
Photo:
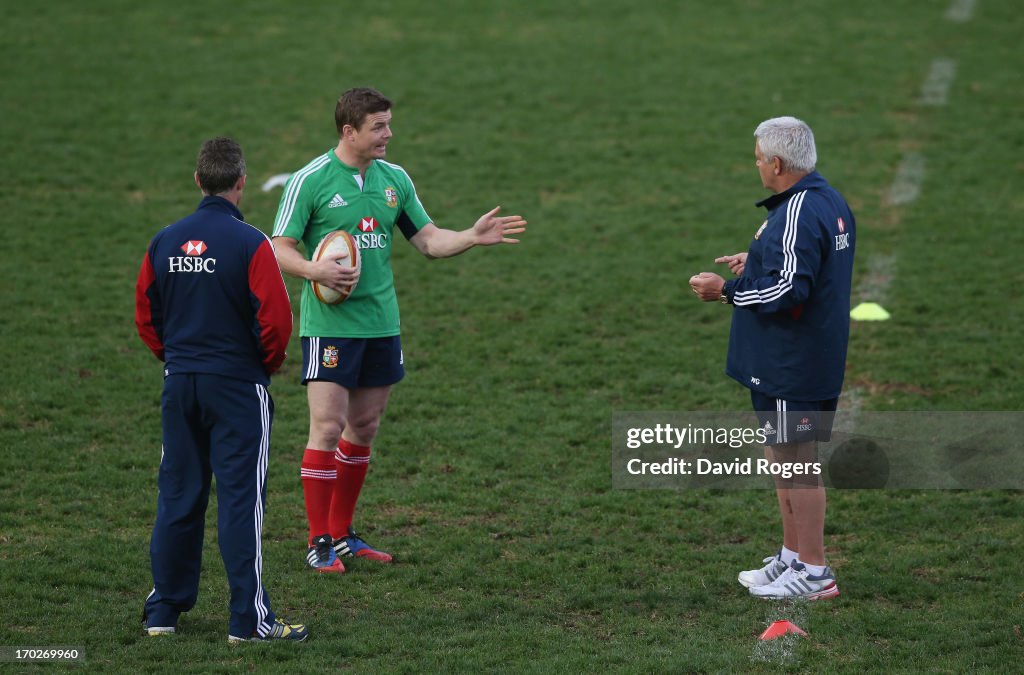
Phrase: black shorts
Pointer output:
(794, 421)
(353, 362)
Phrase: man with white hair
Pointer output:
(787, 344)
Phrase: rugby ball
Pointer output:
(333, 243)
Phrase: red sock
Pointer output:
(318, 478)
(352, 461)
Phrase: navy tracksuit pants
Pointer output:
(221, 426)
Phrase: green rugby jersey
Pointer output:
(327, 195)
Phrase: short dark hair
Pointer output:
(356, 103)
(219, 165)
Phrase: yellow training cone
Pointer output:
(869, 311)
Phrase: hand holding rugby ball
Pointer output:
(334, 243)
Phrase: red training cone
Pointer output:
(780, 628)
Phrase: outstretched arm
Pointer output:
(489, 229)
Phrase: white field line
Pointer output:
(851, 401)
(935, 90)
(874, 285)
(905, 188)
(906, 185)
(960, 11)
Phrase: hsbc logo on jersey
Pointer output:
(843, 238)
(193, 247)
(191, 261)
(368, 238)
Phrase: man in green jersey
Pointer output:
(351, 352)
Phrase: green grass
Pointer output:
(623, 133)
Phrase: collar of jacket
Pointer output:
(220, 204)
(810, 181)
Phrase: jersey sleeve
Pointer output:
(791, 262)
(149, 308)
(296, 206)
(413, 217)
(270, 305)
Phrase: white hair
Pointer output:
(789, 139)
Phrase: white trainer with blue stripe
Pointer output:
(773, 568)
(797, 582)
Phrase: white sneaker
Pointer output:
(797, 582)
(766, 575)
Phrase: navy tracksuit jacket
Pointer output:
(791, 322)
(211, 303)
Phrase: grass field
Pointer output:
(623, 132)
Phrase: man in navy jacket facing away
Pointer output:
(210, 303)
(787, 344)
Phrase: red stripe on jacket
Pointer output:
(274, 310)
(145, 298)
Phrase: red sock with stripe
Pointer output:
(352, 462)
(319, 475)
